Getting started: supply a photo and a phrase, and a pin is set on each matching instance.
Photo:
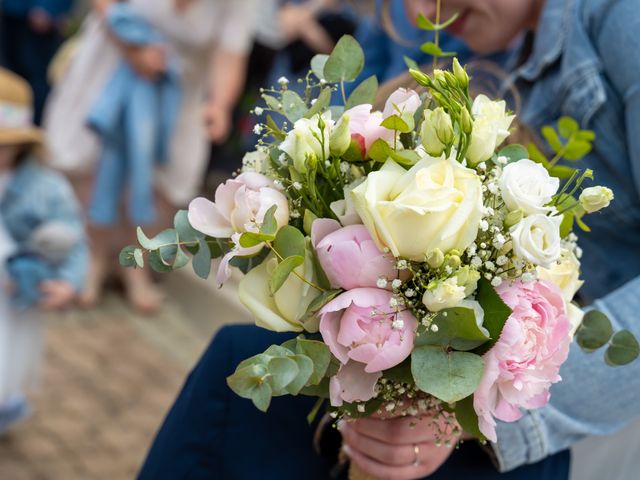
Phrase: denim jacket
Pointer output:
(37, 195)
(20, 8)
(585, 64)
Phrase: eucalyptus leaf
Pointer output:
(317, 65)
(261, 397)
(400, 373)
(449, 376)
(244, 380)
(274, 130)
(186, 233)
(282, 272)
(595, 330)
(623, 349)
(138, 257)
(321, 300)
(363, 93)
(319, 354)
(514, 153)
(305, 370)
(201, 261)
(380, 151)
(408, 158)
(251, 239)
(282, 371)
(269, 224)
(345, 62)
(126, 257)
(273, 103)
(181, 259)
(308, 219)
(167, 237)
(289, 242)
(293, 106)
(157, 264)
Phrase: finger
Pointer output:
(386, 453)
(379, 470)
(403, 430)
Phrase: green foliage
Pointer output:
(447, 375)
(434, 50)
(623, 349)
(496, 311)
(364, 93)
(293, 106)
(457, 329)
(397, 123)
(321, 300)
(345, 62)
(281, 370)
(424, 23)
(317, 65)
(321, 103)
(595, 331)
(281, 273)
(468, 418)
(513, 153)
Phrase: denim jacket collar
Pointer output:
(549, 39)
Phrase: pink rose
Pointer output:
(403, 100)
(524, 363)
(365, 127)
(352, 384)
(361, 325)
(240, 206)
(349, 256)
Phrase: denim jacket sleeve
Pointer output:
(64, 207)
(593, 398)
(55, 8)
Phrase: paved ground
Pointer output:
(108, 379)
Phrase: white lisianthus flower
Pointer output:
(345, 209)
(285, 311)
(536, 239)
(593, 199)
(305, 142)
(445, 294)
(575, 315)
(527, 186)
(403, 101)
(340, 137)
(490, 128)
(565, 273)
(437, 204)
(436, 131)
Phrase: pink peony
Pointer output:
(361, 325)
(352, 384)
(365, 127)
(349, 256)
(403, 100)
(240, 206)
(526, 360)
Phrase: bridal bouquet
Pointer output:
(424, 264)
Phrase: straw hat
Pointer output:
(16, 112)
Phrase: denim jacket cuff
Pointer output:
(520, 443)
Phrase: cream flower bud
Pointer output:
(435, 258)
(593, 199)
(466, 123)
(445, 294)
(460, 74)
(340, 137)
(437, 131)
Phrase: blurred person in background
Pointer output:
(206, 42)
(43, 250)
(32, 32)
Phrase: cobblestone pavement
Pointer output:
(109, 377)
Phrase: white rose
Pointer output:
(345, 209)
(303, 143)
(490, 128)
(536, 239)
(445, 294)
(565, 273)
(527, 186)
(285, 311)
(593, 199)
(436, 204)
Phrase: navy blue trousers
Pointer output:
(210, 433)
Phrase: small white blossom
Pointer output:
(499, 241)
(496, 282)
(476, 262)
(493, 188)
(484, 225)
(257, 129)
(297, 185)
(314, 101)
(397, 283)
(434, 328)
(282, 159)
(283, 81)
(381, 282)
(360, 407)
(258, 111)
(488, 211)
(489, 265)
(295, 214)
(448, 270)
(393, 302)
(402, 265)
(390, 406)
(344, 167)
(502, 160)
(578, 252)
(471, 251)
(528, 277)
(502, 260)
(397, 324)
(410, 293)
(482, 166)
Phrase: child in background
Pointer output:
(32, 200)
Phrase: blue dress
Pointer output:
(210, 433)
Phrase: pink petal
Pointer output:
(205, 217)
(353, 384)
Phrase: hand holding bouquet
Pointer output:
(423, 263)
